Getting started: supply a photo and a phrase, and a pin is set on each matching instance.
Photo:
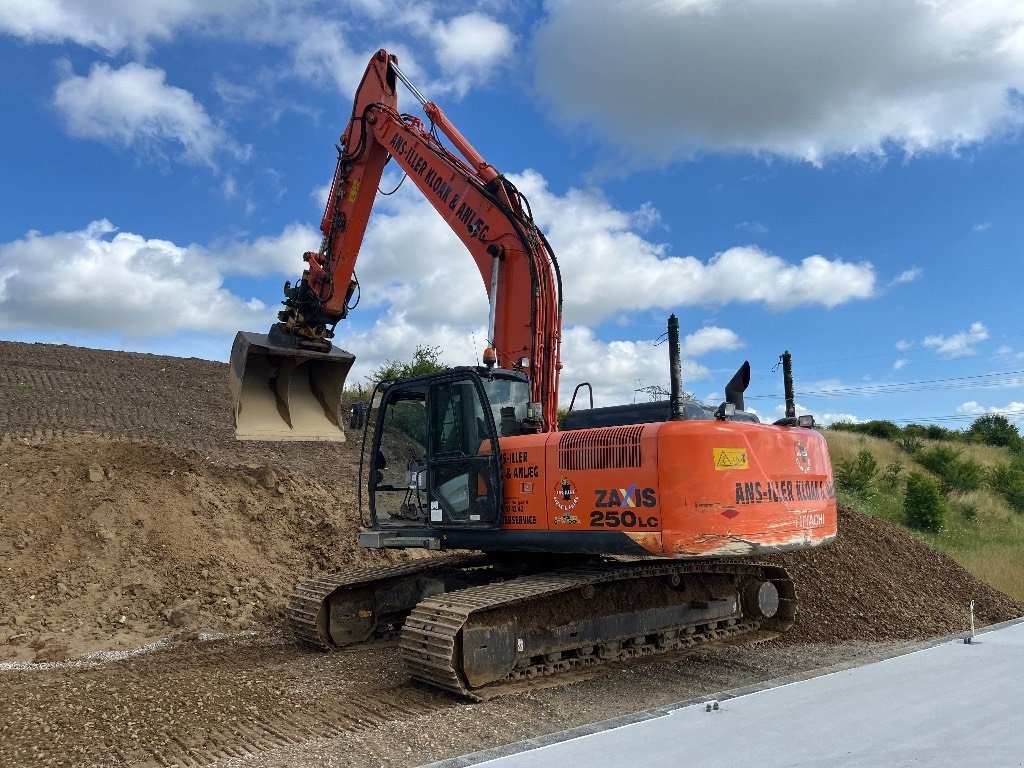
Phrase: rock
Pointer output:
(182, 615)
(268, 478)
(20, 620)
(95, 473)
(52, 650)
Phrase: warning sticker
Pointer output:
(730, 458)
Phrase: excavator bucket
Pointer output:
(287, 393)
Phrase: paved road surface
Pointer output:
(949, 704)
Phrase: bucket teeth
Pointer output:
(287, 393)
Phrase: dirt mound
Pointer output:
(115, 544)
(51, 390)
(877, 582)
(157, 522)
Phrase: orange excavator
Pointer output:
(612, 538)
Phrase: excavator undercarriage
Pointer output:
(481, 629)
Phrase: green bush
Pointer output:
(925, 508)
(935, 432)
(995, 429)
(883, 429)
(968, 510)
(1008, 481)
(843, 426)
(857, 475)
(891, 476)
(909, 444)
(954, 473)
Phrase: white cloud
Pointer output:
(828, 419)
(983, 227)
(593, 240)
(806, 80)
(903, 345)
(411, 258)
(134, 107)
(1013, 411)
(959, 344)
(908, 276)
(710, 338)
(754, 227)
(646, 217)
(328, 44)
(901, 363)
(269, 254)
(118, 282)
(616, 369)
(469, 47)
(107, 25)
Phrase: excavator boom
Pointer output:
(286, 385)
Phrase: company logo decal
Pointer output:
(625, 497)
(730, 458)
(566, 495)
(803, 461)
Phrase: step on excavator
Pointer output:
(618, 536)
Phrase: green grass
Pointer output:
(980, 531)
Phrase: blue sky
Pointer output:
(839, 178)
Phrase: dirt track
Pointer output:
(130, 516)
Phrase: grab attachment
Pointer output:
(285, 392)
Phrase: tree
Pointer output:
(426, 359)
(924, 505)
(996, 429)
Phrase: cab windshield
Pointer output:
(509, 400)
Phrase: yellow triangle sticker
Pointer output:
(730, 458)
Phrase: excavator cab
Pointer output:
(435, 461)
(282, 391)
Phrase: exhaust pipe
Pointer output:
(287, 393)
(787, 383)
(675, 370)
(738, 385)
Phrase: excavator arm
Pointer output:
(488, 214)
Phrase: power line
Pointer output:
(978, 381)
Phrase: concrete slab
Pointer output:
(946, 704)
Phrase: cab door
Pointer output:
(463, 459)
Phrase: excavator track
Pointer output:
(491, 639)
(308, 610)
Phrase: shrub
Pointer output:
(883, 429)
(935, 432)
(843, 426)
(1008, 481)
(954, 473)
(856, 476)
(909, 444)
(968, 510)
(923, 503)
(995, 429)
(891, 476)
